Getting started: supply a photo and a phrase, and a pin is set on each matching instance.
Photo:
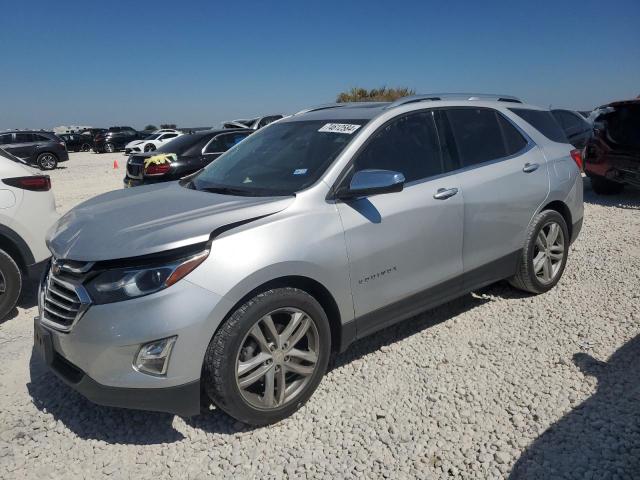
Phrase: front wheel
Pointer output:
(268, 357)
(149, 147)
(109, 148)
(85, 147)
(544, 254)
(47, 161)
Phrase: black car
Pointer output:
(115, 139)
(577, 130)
(92, 132)
(40, 148)
(77, 142)
(184, 155)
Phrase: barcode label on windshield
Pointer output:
(346, 128)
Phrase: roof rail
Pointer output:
(327, 106)
(324, 106)
(454, 96)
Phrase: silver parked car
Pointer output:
(241, 281)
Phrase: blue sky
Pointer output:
(198, 63)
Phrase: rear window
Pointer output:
(544, 122)
(184, 144)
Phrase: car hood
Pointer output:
(150, 219)
(133, 143)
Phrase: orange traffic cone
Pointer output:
(115, 164)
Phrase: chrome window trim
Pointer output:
(528, 146)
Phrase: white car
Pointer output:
(27, 211)
(166, 130)
(150, 143)
(252, 123)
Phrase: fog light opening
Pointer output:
(153, 357)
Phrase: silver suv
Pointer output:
(242, 280)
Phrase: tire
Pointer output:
(149, 147)
(10, 284)
(47, 161)
(604, 186)
(535, 262)
(109, 148)
(234, 343)
(85, 147)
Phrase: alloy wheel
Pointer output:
(3, 284)
(47, 161)
(548, 252)
(277, 358)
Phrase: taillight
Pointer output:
(35, 183)
(577, 157)
(155, 169)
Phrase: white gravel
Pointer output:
(492, 385)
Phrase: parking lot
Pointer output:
(492, 385)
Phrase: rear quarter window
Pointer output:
(544, 122)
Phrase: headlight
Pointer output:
(130, 282)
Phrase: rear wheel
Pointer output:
(544, 254)
(47, 161)
(604, 186)
(85, 147)
(10, 283)
(268, 357)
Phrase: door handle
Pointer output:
(530, 167)
(444, 193)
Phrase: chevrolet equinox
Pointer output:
(237, 283)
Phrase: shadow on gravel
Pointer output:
(411, 326)
(90, 421)
(629, 199)
(599, 438)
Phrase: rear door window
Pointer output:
(477, 135)
(24, 137)
(544, 122)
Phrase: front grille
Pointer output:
(62, 302)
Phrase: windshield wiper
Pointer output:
(228, 191)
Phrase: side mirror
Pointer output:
(365, 183)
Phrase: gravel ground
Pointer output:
(493, 385)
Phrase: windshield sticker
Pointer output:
(300, 171)
(347, 128)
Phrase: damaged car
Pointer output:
(612, 156)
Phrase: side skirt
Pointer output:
(430, 298)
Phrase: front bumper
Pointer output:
(183, 400)
(96, 357)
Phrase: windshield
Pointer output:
(279, 160)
